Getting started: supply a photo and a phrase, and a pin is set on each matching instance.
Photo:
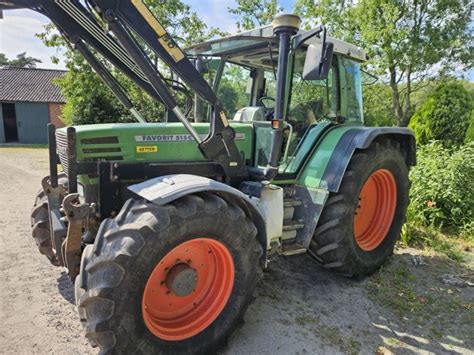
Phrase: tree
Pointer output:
(90, 101)
(377, 110)
(408, 41)
(21, 61)
(3, 59)
(255, 13)
(444, 116)
(470, 130)
(229, 98)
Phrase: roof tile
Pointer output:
(30, 85)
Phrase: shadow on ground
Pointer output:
(66, 288)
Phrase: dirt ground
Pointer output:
(300, 308)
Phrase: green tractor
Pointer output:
(166, 227)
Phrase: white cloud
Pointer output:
(17, 35)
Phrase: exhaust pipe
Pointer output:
(284, 26)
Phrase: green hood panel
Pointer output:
(156, 142)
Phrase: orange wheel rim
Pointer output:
(188, 289)
(375, 210)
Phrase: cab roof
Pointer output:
(252, 48)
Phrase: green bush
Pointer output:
(378, 108)
(442, 194)
(470, 130)
(444, 116)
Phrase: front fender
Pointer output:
(166, 189)
(328, 162)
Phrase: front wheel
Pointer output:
(360, 224)
(175, 278)
(40, 225)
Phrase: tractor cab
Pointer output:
(242, 70)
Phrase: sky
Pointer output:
(18, 29)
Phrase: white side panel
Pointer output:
(270, 205)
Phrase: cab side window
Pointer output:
(314, 101)
(353, 90)
(232, 91)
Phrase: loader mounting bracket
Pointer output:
(77, 214)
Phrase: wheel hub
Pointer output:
(181, 280)
(188, 289)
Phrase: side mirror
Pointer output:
(318, 61)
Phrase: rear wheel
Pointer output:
(175, 278)
(360, 224)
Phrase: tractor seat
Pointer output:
(250, 114)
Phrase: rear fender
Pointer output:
(329, 160)
(166, 189)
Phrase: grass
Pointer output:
(395, 289)
(417, 296)
(455, 247)
(333, 336)
(328, 334)
(306, 319)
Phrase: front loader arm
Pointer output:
(80, 27)
(135, 15)
(123, 15)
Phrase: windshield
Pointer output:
(254, 91)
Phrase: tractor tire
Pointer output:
(175, 279)
(360, 224)
(40, 227)
(79, 291)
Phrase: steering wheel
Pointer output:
(268, 110)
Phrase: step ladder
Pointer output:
(291, 227)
